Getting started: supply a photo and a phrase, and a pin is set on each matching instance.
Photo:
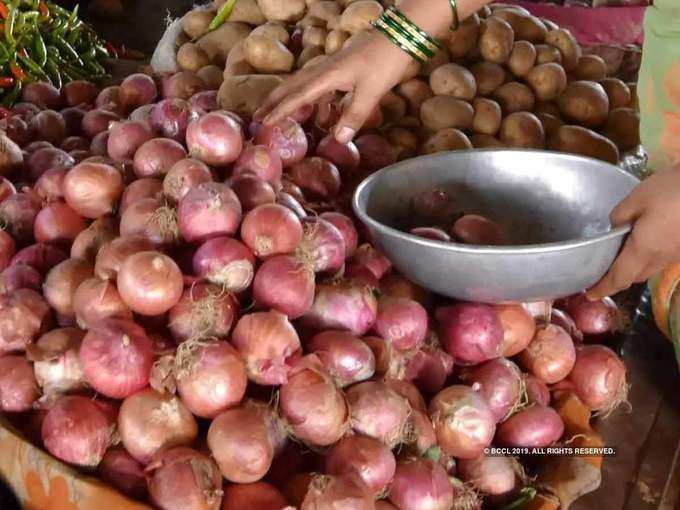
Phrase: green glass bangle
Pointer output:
(425, 49)
(405, 34)
(399, 40)
(420, 35)
(454, 10)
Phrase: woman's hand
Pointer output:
(654, 210)
(368, 68)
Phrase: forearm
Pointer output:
(435, 16)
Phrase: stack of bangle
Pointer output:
(406, 34)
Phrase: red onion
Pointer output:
(150, 283)
(77, 430)
(19, 276)
(592, 317)
(204, 311)
(96, 300)
(477, 230)
(142, 113)
(316, 176)
(61, 284)
(500, 383)
(337, 493)
(79, 91)
(244, 441)
(151, 219)
(537, 391)
(18, 213)
(48, 125)
(138, 190)
(93, 189)
(394, 285)
(518, 328)
(421, 436)
(253, 496)
(373, 260)
(434, 233)
(112, 255)
(211, 379)
(433, 207)
(378, 411)
(287, 200)
(182, 85)
(490, 475)
(599, 378)
(42, 94)
(110, 99)
(17, 130)
(149, 421)
(210, 209)
(261, 161)
(184, 479)
(471, 332)
(75, 143)
(57, 222)
(292, 189)
(23, 315)
(137, 89)
(375, 151)
(271, 229)
(41, 256)
(286, 285)
(322, 246)
(48, 158)
(346, 227)
(126, 137)
(343, 305)
(435, 368)
(215, 139)
(6, 188)
(89, 241)
(344, 155)
(205, 100)
(183, 176)
(18, 387)
(7, 249)
(26, 110)
(98, 121)
(73, 119)
(56, 361)
(155, 157)
(463, 421)
(404, 388)
(402, 322)
(535, 425)
(170, 118)
(99, 145)
(366, 458)
(121, 470)
(421, 484)
(252, 191)
(226, 262)
(551, 355)
(561, 319)
(347, 359)
(269, 344)
(287, 139)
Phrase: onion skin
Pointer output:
(599, 378)
(121, 470)
(18, 387)
(348, 359)
(79, 92)
(99, 144)
(126, 137)
(316, 176)
(373, 260)
(226, 262)
(537, 391)
(155, 157)
(402, 322)
(98, 121)
(20, 276)
(314, 408)
(112, 255)
(592, 317)
(252, 191)
(170, 118)
(18, 212)
(204, 311)
(286, 285)
(471, 332)
(519, 328)
(292, 203)
(268, 343)
(183, 176)
(500, 383)
(150, 283)
(24, 314)
(89, 241)
(215, 139)
(421, 484)
(139, 190)
(62, 282)
(149, 421)
(210, 209)
(6, 188)
(46, 158)
(40, 256)
(182, 85)
(560, 318)
(205, 100)
(343, 306)
(364, 457)
(50, 185)
(551, 354)
(463, 421)
(48, 125)
(395, 285)
(287, 139)
(322, 246)
(77, 430)
(271, 229)
(137, 90)
(56, 361)
(57, 223)
(181, 478)
(375, 152)
(109, 99)
(344, 155)
(535, 425)
(347, 229)
(490, 475)
(337, 493)
(96, 300)
(261, 161)
(92, 189)
(142, 113)
(253, 496)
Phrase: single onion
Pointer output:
(112, 255)
(149, 422)
(226, 262)
(73, 119)
(121, 470)
(463, 421)
(205, 100)
(287, 139)
(57, 223)
(404, 388)
(500, 383)
(271, 229)
(343, 305)
(337, 492)
(433, 207)
(155, 157)
(136, 90)
(204, 311)
(48, 125)
(364, 457)
(100, 144)
(50, 185)
(151, 219)
(182, 85)
(181, 478)
(56, 361)
(251, 190)
(126, 137)
(139, 190)
(592, 317)
(268, 343)
(215, 138)
(347, 358)
(322, 246)
(89, 241)
(109, 99)
(373, 260)
(402, 322)
(79, 92)
(185, 175)
(92, 189)
(253, 496)
(77, 430)
(18, 387)
(244, 441)
(210, 209)
(23, 316)
(286, 285)
(316, 176)
(42, 94)
(344, 155)
(490, 475)
(471, 332)
(170, 118)
(346, 227)
(560, 318)
(261, 161)
(518, 328)
(378, 411)
(375, 151)
(20, 276)
(435, 368)
(18, 213)
(41, 256)
(47, 158)
(98, 121)
(150, 283)
(314, 408)
(96, 300)
(551, 354)
(62, 282)
(142, 113)
(535, 425)
(537, 390)
(421, 484)
(599, 378)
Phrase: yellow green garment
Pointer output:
(659, 85)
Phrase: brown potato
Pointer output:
(523, 130)
(273, 30)
(522, 58)
(481, 141)
(325, 10)
(584, 103)
(238, 69)
(502, 6)
(218, 43)
(566, 43)
(550, 123)
(583, 141)
(195, 23)
(590, 67)
(191, 57)
(441, 112)
(634, 100)
(489, 77)
(546, 54)
(514, 97)
(404, 142)
(484, 12)
(289, 11)
(526, 27)
(618, 93)
(415, 92)
(547, 81)
(550, 25)
(495, 40)
(267, 55)
(623, 128)
(453, 80)
(334, 41)
(247, 11)
(439, 59)
(393, 107)
(487, 117)
(307, 54)
(460, 42)
(211, 75)
(358, 15)
(314, 36)
(245, 94)
(450, 139)
(547, 107)
(182, 38)
(311, 21)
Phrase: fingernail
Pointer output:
(591, 297)
(344, 134)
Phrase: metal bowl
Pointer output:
(553, 207)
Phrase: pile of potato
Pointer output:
(505, 78)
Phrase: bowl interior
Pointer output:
(537, 197)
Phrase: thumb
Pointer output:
(628, 210)
(360, 108)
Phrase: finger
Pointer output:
(627, 211)
(307, 93)
(276, 95)
(623, 273)
(650, 271)
(360, 108)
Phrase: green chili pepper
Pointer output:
(101, 51)
(40, 49)
(72, 17)
(525, 495)
(9, 24)
(68, 50)
(73, 36)
(58, 9)
(222, 14)
(4, 54)
(53, 72)
(10, 98)
(33, 67)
